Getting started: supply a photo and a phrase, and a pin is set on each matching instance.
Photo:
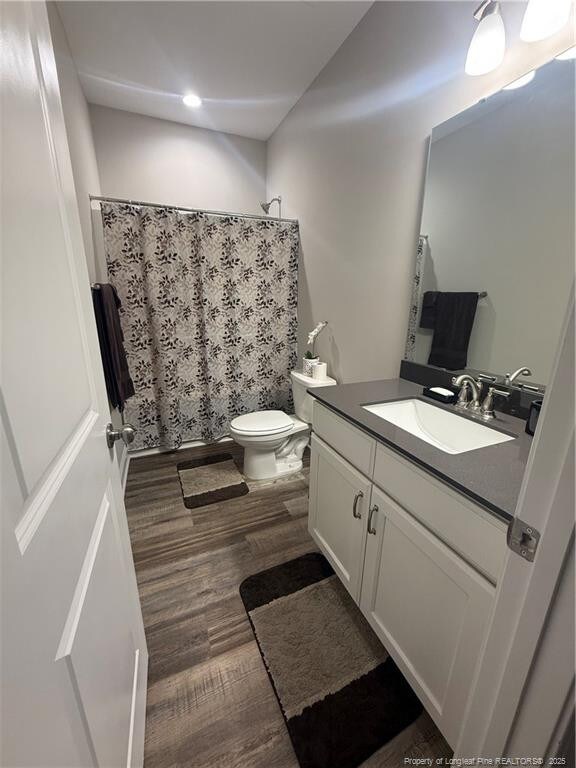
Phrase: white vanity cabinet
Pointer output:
(420, 560)
(339, 499)
(428, 607)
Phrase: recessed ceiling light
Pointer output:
(191, 100)
(543, 18)
(524, 80)
(568, 55)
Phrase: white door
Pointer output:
(74, 656)
(521, 689)
(428, 607)
(339, 500)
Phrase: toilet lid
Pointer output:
(262, 423)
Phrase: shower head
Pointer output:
(266, 206)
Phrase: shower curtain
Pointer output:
(422, 253)
(208, 315)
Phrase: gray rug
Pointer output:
(343, 698)
(210, 480)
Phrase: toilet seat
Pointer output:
(262, 423)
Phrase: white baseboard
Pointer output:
(124, 464)
(190, 444)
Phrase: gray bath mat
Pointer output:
(342, 696)
(210, 480)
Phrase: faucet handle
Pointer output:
(487, 409)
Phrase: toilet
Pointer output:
(273, 441)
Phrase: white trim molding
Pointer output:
(39, 501)
(124, 465)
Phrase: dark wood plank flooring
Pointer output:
(210, 703)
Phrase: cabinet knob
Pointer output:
(358, 515)
(373, 509)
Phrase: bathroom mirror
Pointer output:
(498, 229)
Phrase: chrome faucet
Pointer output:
(486, 410)
(464, 381)
(510, 378)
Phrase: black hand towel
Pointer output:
(454, 320)
(119, 385)
(428, 314)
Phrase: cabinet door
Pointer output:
(429, 608)
(339, 501)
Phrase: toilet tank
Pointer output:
(302, 400)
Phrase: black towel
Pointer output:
(454, 320)
(119, 385)
(428, 314)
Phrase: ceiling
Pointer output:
(249, 61)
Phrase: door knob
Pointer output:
(127, 433)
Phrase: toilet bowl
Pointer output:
(274, 441)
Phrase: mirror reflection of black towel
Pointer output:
(428, 314)
(452, 328)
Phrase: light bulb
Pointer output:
(488, 45)
(524, 80)
(544, 18)
(191, 100)
(568, 55)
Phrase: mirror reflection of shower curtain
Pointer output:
(209, 315)
(422, 254)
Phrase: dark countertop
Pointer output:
(490, 476)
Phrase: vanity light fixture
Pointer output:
(543, 18)
(192, 100)
(488, 45)
(568, 55)
(524, 80)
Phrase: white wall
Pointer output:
(158, 161)
(79, 132)
(499, 213)
(84, 167)
(349, 161)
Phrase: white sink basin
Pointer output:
(444, 430)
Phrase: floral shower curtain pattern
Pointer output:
(209, 317)
(416, 303)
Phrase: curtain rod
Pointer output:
(102, 198)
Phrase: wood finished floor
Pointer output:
(210, 702)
